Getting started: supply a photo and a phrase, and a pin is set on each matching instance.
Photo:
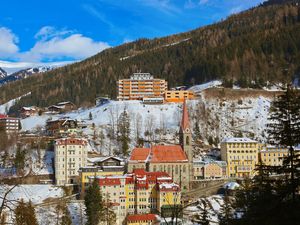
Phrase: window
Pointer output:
(187, 140)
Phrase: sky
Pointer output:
(47, 31)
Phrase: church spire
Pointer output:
(185, 123)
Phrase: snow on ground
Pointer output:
(77, 212)
(34, 193)
(201, 87)
(45, 165)
(214, 204)
(102, 115)
(5, 107)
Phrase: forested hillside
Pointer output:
(258, 45)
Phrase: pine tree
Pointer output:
(226, 211)
(197, 132)
(25, 214)
(90, 116)
(284, 130)
(124, 131)
(110, 216)
(203, 217)
(94, 204)
(19, 161)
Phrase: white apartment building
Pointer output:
(70, 156)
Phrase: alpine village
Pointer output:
(201, 127)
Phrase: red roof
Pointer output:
(109, 181)
(140, 154)
(159, 153)
(167, 153)
(185, 117)
(71, 141)
(141, 217)
(3, 116)
(140, 175)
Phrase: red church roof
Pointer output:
(140, 154)
(159, 153)
(185, 117)
(167, 153)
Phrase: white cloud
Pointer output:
(8, 42)
(164, 6)
(57, 44)
(51, 44)
(47, 32)
(203, 2)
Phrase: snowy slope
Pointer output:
(3, 73)
(201, 87)
(34, 193)
(5, 107)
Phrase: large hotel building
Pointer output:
(141, 85)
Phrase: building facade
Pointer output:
(70, 156)
(100, 166)
(141, 85)
(178, 95)
(140, 193)
(9, 124)
(241, 156)
(209, 169)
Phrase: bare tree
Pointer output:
(138, 123)
(150, 122)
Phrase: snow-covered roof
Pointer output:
(103, 158)
(238, 140)
(168, 186)
(231, 185)
(29, 108)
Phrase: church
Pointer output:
(176, 160)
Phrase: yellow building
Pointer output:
(273, 155)
(99, 166)
(209, 169)
(141, 85)
(178, 95)
(241, 155)
(140, 193)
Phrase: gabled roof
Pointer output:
(159, 153)
(141, 217)
(185, 117)
(139, 154)
(167, 153)
(238, 140)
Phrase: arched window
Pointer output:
(176, 169)
(187, 140)
(154, 168)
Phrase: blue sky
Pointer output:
(62, 30)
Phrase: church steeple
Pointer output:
(185, 123)
(185, 133)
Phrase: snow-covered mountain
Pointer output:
(3, 73)
(24, 73)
